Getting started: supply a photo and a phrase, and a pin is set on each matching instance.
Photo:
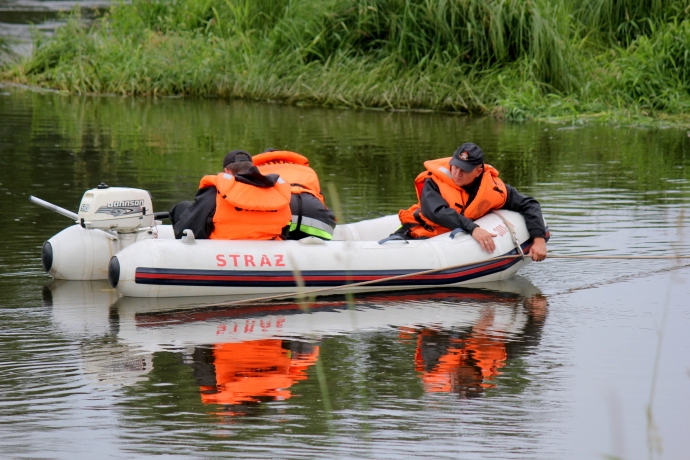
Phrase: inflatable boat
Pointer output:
(117, 237)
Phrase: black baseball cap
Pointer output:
(467, 157)
(235, 156)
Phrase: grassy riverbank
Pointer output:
(519, 59)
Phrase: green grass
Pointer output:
(520, 59)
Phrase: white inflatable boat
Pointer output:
(117, 238)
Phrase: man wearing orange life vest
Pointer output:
(455, 191)
(310, 216)
(237, 204)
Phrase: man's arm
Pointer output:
(436, 209)
(199, 216)
(530, 209)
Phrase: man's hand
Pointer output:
(486, 239)
(538, 250)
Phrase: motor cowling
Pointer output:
(122, 209)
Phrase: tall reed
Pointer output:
(623, 21)
(471, 33)
(655, 71)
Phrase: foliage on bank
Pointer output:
(7, 55)
(518, 58)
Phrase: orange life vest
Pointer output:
(492, 194)
(246, 212)
(292, 167)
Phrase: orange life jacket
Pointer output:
(492, 194)
(246, 212)
(292, 167)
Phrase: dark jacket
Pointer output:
(198, 216)
(308, 212)
(436, 209)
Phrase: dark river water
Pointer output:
(570, 359)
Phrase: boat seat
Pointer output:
(367, 230)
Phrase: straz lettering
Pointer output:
(250, 260)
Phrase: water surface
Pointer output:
(560, 362)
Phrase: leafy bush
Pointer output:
(655, 71)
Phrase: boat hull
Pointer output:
(174, 268)
(79, 254)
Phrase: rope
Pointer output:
(362, 283)
(618, 257)
(620, 279)
(428, 272)
(516, 242)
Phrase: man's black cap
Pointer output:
(467, 157)
(235, 156)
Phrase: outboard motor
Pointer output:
(109, 220)
(119, 209)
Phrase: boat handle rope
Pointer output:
(512, 234)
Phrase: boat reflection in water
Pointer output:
(243, 356)
(467, 360)
(251, 372)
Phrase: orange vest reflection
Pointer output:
(256, 371)
(464, 365)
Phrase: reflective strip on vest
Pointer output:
(312, 227)
(445, 171)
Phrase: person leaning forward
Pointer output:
(453, 192)
(237, 204)
(310, 216)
